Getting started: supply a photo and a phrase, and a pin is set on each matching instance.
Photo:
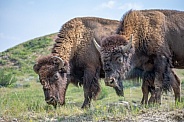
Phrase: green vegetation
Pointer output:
(6, 79)
(23, 99)
(27, 104)
(20, 59)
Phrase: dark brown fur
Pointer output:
(148, 87)
(158, 39)
(82, 61)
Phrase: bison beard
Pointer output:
(119, 89)
(157, 45)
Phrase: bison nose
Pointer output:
(110, 82)
(50, 100)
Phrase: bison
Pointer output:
(147, 44)
(74, 59)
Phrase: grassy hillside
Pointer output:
(20, 59)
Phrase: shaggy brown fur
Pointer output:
(75, 47)
(146, 26)
(74, 36)
(158, 39)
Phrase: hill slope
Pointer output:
(20, 59)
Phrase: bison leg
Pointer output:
(145, 92)
(146, 89)
(90, 85)
(148, 86)
(158, 91)
(87, 98)
(152, 97)
(176, 85)
(160, 64)
(151, 89)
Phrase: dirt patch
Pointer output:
(151, 116)
(162, 116)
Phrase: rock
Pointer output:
(2, 120)
(14, 120)
(125, 104)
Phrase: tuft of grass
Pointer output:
(6, 79)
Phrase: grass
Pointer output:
(27, 104)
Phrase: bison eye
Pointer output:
(120, 60)
(56, 77)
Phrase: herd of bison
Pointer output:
(144, 44)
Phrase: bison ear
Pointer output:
(36, 68)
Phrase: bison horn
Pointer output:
(129, 45)
(98, 47)
(58, 60)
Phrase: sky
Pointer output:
(22, 20)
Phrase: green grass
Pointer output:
(27, 104)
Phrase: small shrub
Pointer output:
(2, 62)
(6, 78)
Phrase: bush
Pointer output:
(2, 62)
(6, 79)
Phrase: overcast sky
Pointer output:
(22, 20)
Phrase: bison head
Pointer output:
(116, 53)
(52, 76)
